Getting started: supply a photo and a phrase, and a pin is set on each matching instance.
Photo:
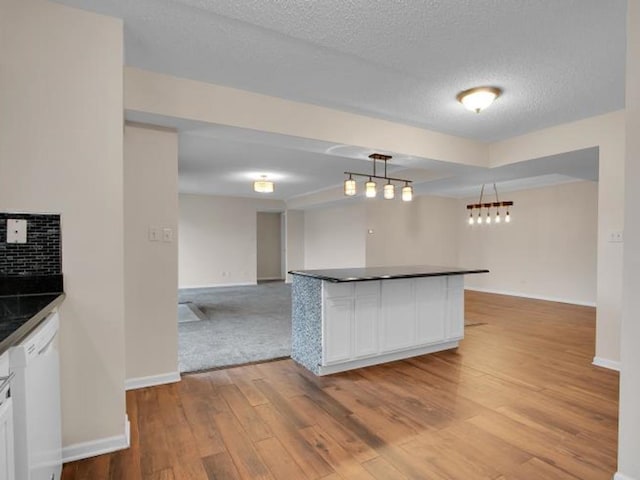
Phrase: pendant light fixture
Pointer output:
(350, 187)
(407, 192)
(488, 205)
(370, 186)
(370, 189)
(263, 185)
(478, 98)
(389, 191)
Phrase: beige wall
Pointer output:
(547, 251)
(628, 458)
(268, 245)
(218, 239)
(294, 241)
(335, 237)
(182, 98)
(423, 232)
(61, 151)
(151, 268)
(608, 133)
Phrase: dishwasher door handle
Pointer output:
(6, 380)
(46, 345)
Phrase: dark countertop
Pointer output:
(338, 275)
(21, 314)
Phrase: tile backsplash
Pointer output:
(41, 255)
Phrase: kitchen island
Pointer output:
(355, 317)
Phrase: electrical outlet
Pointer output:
(16, 231)
(167, 235)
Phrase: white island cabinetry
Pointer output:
(355, 317)
(370, 322)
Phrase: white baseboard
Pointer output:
(269, 278)
(387, 357)
(622, 476)
(216, 285)
(153, 380)
(606, 363)
(93, 448)
(535, 297)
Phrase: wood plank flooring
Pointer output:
(518, 400)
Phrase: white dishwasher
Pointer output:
(36, 403)
(6, 421)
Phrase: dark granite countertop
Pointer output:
(338, 275)
(21, 314)
(25, 301)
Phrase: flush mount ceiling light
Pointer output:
(263, 185)
(370, 187)
(488, 206)
(478, 98)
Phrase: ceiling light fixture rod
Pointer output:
(488, 205)
(367, 175)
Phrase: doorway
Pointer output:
(270, 251)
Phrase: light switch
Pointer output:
(16, 231)
(615, 237)
(154, 234)
(167, 235)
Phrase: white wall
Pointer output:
(423, 232)
(268, 246)
(294, 241)
(151, 268)
(547, 251)
(607, 132)
(218, 239)
(629, 424)
(61, 141)
(335, 237)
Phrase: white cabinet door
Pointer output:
(398, 314)
(338, 317)
(431, 308)
(365, 340)
(455, 306)
(333, 290)
(6, 441)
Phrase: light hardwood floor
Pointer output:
(518, 400)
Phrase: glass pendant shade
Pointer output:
(263, 185)
(389, 191)
(471, 221)
(507, 217)
(407, 193)
(370, 189)
(350, 187)
(498, 216)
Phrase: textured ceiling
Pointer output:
(402, 60)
